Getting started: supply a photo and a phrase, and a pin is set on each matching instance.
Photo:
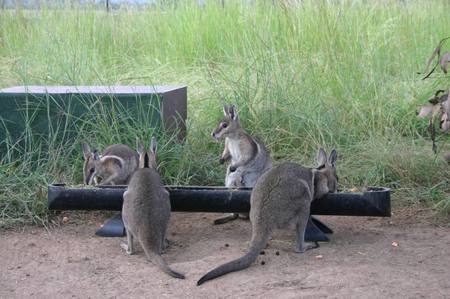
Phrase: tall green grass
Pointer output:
(322, 73)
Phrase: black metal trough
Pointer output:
(373, 202)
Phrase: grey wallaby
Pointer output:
(114, 167)
(249, 157)
(281, 196)
(146, 210)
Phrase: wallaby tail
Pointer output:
(158, 260)
(257, 244)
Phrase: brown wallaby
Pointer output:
(249, 157)
(114, 167)
(281, 196)
(146, 210)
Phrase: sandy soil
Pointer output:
(68, 261)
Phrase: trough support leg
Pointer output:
(322, 226)
(112, 228)
(315, 229)
(314, 232)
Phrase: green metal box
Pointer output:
(42, 110)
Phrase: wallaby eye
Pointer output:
(224, 125)
(91, 170)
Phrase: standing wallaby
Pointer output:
(249, 157)
(281, 196)
(146, 210)
(114, 167)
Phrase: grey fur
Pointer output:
(114, 167)
(281, 196)
(146, 213)
(249, 157)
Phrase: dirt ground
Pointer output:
(361, 261)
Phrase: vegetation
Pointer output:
(321, 73)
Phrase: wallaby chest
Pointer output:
(234, 147)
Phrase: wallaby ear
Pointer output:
(233, 112)
(333, 157)
(153, 145)
(140, 147)
(321, 158)
(86, 150)
(225, 110)
(95, 155)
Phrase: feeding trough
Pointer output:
(373, 202)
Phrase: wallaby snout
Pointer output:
(215, 136)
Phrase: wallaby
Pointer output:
(249, 157)
(146, 210)
(114, 167)
(281, 196)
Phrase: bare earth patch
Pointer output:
(361, 261)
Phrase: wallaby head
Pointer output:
(147, 159)
(91, 159)
(228, 124)
(111, 168)
(325, 177)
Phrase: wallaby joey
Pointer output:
(114, 167)
(249, 157)
(281, 196)
(146, 210)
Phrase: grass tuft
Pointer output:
(331, 73)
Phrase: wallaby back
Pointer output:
(146, 211)
(281, 195)
(115, 166)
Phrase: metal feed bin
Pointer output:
(44, 109)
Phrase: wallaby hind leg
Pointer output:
(164, 243)
(226, 219)
(301, 245)
(129, 248)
